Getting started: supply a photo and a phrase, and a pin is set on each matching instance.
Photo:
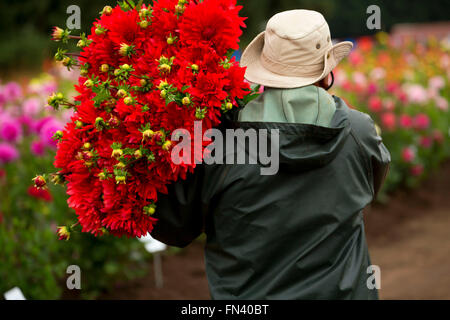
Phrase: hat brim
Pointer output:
(257, 73)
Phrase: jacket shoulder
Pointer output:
(362, 125)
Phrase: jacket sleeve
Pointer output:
(376, 153)
(179, 213)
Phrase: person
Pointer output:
(299, 233)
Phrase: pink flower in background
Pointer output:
(416, 93)
(10, 130)
(347, 85)
(436, 83)
(441, 103)
(359, 79)
(389, 120)
(392, 87)
(421, 121)
(378, 74)
(32, 107)
(372, 88)
(37, 148)
(402, 96)
(26, 121)
(426, 142)
(417, 170)
(8, 153)
(339, 76)
(408, 154)
(375, 104)
(47, 132)
(12, 91)
(389, 104)
(39, 124)
(406, 121)
(356, 58)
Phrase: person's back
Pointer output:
(297, 233)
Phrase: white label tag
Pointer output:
(152, 245)
(14, 294)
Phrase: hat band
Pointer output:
(292, 71)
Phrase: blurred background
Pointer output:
(398, 74)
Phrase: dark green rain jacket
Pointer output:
(298, 234)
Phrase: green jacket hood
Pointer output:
(313, 126)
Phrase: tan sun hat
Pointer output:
(294, 51)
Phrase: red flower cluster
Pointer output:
(145, 73)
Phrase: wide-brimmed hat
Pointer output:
(295, 51)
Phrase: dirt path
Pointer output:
(409, 239)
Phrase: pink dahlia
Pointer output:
(8, 153)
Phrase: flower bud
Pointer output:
(99, 30)
(107, 10)
(144, 12)
(78, 124)
(126, 67)
(186, 101)
(167, 145)
(89, 83)
(81, 43)
(229, 106)
(102, 176)
(84, 72)
(143, 24)
(150, 210)
(165, 68)
(100, 123)
(128, 101)
(58, 179)
(126, 50)
(87, 146)
(163, 94)
(104, 68)
(138, 154)
(40, 182)
(147, 134)
(89, 164)
(121, 180)
(143, 82)
(63, 233)
(114, 121)
(179, 9)
(122, 93)
(162, 85)
(117, 153)
(194, 67)
(58, 135)
(120, 165)
(59, 34)
(67, 61)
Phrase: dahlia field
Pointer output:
(404, 86)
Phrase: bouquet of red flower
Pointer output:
(145, 72)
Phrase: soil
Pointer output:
(409, 239)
